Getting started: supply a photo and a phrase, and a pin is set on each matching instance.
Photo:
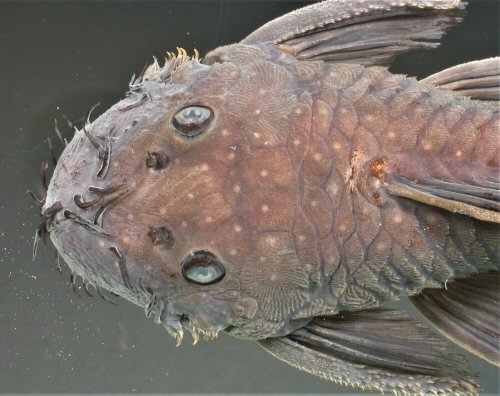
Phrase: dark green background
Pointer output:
(61, 58)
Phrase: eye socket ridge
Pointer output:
(202, 268)
(192, 120)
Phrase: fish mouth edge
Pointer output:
(177, 324)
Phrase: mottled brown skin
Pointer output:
(290, 193)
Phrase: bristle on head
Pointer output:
(173, 61)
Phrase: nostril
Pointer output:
(157, 160)
(161, 236)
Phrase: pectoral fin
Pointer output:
(380, 349)
(467, 311)
(369, 32)
(481, 201)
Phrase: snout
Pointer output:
(77, 200)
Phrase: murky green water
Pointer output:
(61, 58)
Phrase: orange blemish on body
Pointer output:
(378, 168)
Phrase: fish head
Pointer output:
(181, 198)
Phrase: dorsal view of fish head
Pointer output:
(184, 199)
(282, 188)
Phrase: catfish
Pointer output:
(283, 188)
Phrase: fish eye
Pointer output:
(202, 268)
(192, 120)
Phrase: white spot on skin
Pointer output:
(336, 146)
(101, 244)
(427, 146)
(236, 188)
(233, 252)
(264, 172)
(208, 219)
(298, 110)
(302, 238)
(256, 135)
(265, 208)
(130, 216)
(262, 91)
(296, 142)
(204, 167)
(317, 157)
(257, 112)
(314, 204)
(190, 196)
(323, 111)
(391, 135)
(270, 240)
(380, 247)
(342, 227)
(398, 219)
(230, 156)
(184, 224)
(458, 154)
(225, 132)
(333, 189)
(176, 161)
(237, 228)
(374, 183)
(262, 259)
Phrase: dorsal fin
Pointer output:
(477, 80)
(368, 32)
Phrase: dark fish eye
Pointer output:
(192, 120)
(202, 268)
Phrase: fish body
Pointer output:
(283, 188)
